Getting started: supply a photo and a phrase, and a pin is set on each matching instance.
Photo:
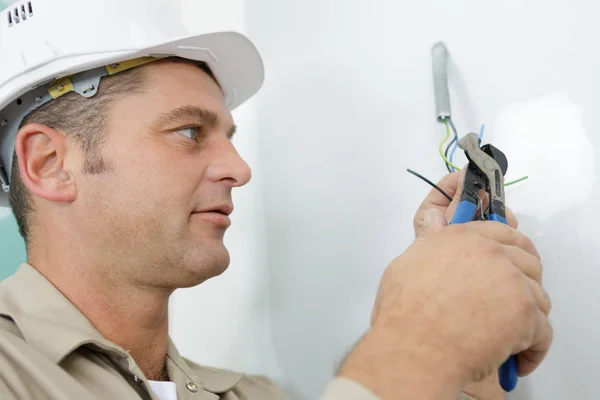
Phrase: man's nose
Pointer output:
(227, 165)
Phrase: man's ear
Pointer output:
(41, 153)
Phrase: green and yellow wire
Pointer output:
(447, 161)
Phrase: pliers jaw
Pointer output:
(486, 169)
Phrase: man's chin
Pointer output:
(206, 266)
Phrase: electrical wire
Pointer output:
(431, 183)
(441, 148)
(448, 167)
(449, 163)
(456, 142)
(516, 181)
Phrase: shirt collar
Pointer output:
(213, 379)
(49, 322)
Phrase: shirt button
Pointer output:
(136, 379)
(192, 387)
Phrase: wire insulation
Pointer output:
(441, 148)
(456, 142)
(516, 181)
(431, 183)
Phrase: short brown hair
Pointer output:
(84, 120)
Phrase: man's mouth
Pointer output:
(225, 209)
(218, 214)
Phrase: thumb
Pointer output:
(433, 221)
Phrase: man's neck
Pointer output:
(134, 318)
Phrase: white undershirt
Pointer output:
(164, 390)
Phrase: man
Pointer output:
(120, 170)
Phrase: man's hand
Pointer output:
(489, 388)
(452, 309)
(452, 185)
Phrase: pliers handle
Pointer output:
(485, 170)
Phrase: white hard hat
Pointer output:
(51, 47)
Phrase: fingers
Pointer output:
(451, 184)
(503, 234)
(512, 219)
(529, 265)
(457, 191)
(541, 297)
(433, 221)
(529, 359)
(510, 216)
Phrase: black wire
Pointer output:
(431, 183)
(446, 153)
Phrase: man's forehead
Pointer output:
(184, 91)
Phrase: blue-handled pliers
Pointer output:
(486, 169)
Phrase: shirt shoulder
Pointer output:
(26, 374)
(248, 386)
(258, 387)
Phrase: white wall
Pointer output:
(347, 106)
(225, 322)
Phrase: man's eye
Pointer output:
(190, 133)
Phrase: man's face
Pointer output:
(159, 212)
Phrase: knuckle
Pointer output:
(459, 229)
(526, 305)
(550, 333)
(491, 248)
(524, 241)
(529, 264)
(515, 274)
(512, 219)
(526, 244)
(538, 270)
(548, 301)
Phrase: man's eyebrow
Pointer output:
(199, 115)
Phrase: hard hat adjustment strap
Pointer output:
(85, 83)
(4, 181)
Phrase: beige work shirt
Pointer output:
(50, 351)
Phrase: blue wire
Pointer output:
(455, 143)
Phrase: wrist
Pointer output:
(395, 364)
